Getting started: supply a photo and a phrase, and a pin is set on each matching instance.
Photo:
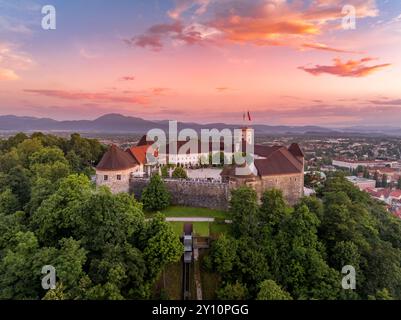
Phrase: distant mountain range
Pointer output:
(117, 123)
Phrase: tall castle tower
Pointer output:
(247, 131)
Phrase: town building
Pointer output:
(354, 164)
(362, 183)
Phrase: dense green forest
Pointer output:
(280, 252)
(103, 247)
(51, 214)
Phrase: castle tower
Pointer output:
(247, 131)
(114, 170)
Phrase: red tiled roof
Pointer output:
(296, 150)
(144, 142)
(395, 193)
(139, 153)
(116, 159)
(280, 161)
(277, 160)
(385, 193)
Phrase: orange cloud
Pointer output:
(351, 68)
(159, 91)
(259, 22)
(222, 89)
(320, 46)
(7, 75)
(262, 31)
(90, 96)
(12, 61)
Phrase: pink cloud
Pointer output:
(323, 47)
(127, 78)
(8, 75)
(153, 38)
(350, 68)
(90, 96)
(159, 91)
(396, 102)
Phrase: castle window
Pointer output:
(119, 177)
(106, 177)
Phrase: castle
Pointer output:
(273, 167)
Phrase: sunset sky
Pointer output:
(288, 62)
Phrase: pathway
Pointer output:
(193, 219)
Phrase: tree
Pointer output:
(164, 171)
(300, 264)
(366, 173)
(15, 140)
(273, 208)
(8, 202)
(20, 184)
(108, 219)
(384, 181)
(345, 253)
(9, 225)
(160, 245)
(244, 211)
(68, 259)
(124, 267)
(270, 290)
(41, 189)
(399, 183)
(61, 214)
(53, 172)
(8, 161)
(382, 295)
(18, 279)
(56, 294)
(376, 178)
(314, 205)
(229, 291)
(155, 196)
(179, 173)
(251, 266)
(26, 149)
(223, 254)
(47, 155)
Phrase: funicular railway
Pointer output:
(187, 261)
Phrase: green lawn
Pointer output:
(178, 227)
(180, 211)
(201, 228)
